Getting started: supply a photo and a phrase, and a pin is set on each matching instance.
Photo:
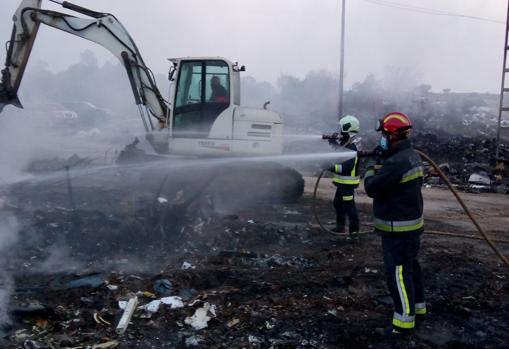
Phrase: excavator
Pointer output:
(202, 116)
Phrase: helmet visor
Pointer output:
(379, 125)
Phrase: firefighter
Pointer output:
(395, 186)
(346, 178)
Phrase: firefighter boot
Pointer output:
(353, 236)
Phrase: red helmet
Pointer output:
(397, 124)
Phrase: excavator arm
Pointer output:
(103, 29)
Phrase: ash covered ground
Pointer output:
(260, 273)
(263, 274)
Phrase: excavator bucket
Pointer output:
(19, 46)
(5, 99)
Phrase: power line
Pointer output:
(430, 11)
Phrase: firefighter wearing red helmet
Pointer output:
(395, 186)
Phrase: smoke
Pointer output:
(59, 260)
(19, 140)
(8, 239)
(310, 105)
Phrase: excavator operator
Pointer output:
(219, 93)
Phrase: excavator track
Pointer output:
(255, 182)
(228, 180)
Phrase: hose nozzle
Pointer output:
(333, 136)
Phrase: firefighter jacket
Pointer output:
(346, 175)
(396, 191)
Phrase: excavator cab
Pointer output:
(205, 116)
(202, 93)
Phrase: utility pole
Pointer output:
(342, 60)
(503, 107)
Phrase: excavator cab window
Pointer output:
(203, 93)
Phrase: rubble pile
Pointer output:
(468, 162)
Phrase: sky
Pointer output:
(276, 37)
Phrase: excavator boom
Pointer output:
(103, 29)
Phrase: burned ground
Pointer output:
(275, 279)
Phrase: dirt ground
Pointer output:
(275, 279)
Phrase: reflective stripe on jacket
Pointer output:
(347, 173)
(396, 191)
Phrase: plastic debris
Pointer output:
(187, 265)
(126, 316)
(480, 178)
(174, 302)
(201, 316)
(152, 307)
(162, 200)
(163, 287)
(146, 294)
(112, 287)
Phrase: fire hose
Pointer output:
(454, 192)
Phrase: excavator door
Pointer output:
(202, 93)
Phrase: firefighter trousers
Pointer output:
(344, 204)
(404, 278)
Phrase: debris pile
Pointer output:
(468, 162)
(106, 275)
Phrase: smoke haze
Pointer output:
(288, 37)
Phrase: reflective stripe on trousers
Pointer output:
(420, 308)
(404, 320)
(399, 226)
